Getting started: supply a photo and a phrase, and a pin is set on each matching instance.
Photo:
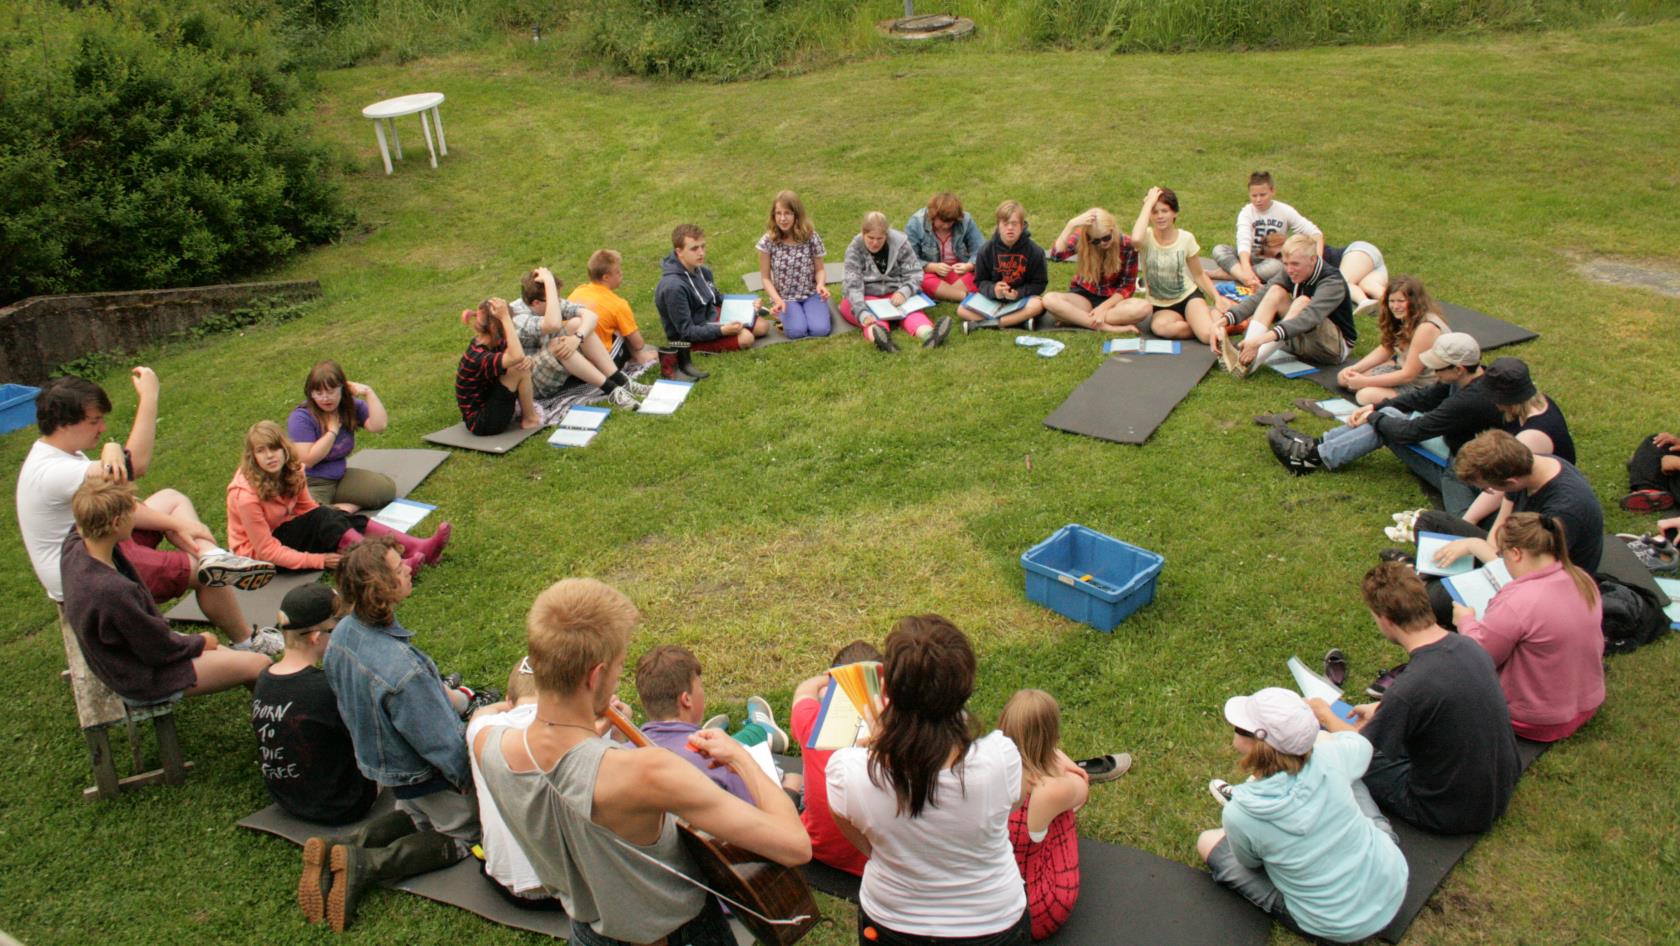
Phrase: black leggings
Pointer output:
(319, 530)
(1019, 934)
(1645, 469)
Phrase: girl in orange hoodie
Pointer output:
(271, 516)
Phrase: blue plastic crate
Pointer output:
(1122, 576)
(17, 406)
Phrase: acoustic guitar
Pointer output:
(770, 900)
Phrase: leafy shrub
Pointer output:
(149, 145)
(682, 39)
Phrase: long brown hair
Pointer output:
(289, 481)
(1032, 719)
(367, 581)
(325, 376)
(1397, 332)
(1262, 760)
(1096, 263)
(929, 673)
(1536, 534)
(801, 230)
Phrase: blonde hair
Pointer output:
(521, 683)
(1300, 245)
(269, 486)
(100, 506)
(801, 230)
(874, 222)
(1520, 411)
(1262, 760)
(1094, 264)
(1536, 534)
(1033, 721)
(1009, 210)
(574, 625)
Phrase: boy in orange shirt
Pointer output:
(606, 273)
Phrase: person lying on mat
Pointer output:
(1304, 311)
(828, 845)
(1302, 838)
(1365, 272)
(929, 804)
(576, 803)
(1456, 408)
(688, 300)
(1526, 482)
(790, 261)
(70, 413)
(272, 517)
(881, 264)
(126, 641)
(324, 429)
(615, 323)
(563, 345)
(1172, 274)
(1041, 828)
(1260, 218)
(305, 755)
(407, 737)
(947, 241)
(494, 374)
(1530, 416)
(1409, 322)
(1446, 756)
(669, 688)
(1010, 268)
(1544, 631)
(1104, 278)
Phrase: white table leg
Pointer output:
(426, 129)
(396, 138)
(384, 152)
(437, 119)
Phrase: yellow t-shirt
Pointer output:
(614, 311)
(1166, 269)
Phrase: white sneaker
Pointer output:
(621, 397)
(1368, 307)
(217, 569)
(1221, 791)
(1400, 534)
(1408, 518)
(720, 721)
(263, 640)
(758, 711)
(639, 390)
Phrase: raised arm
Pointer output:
(1140, 229)
(143, 435)
(514, 356)
(377, 419)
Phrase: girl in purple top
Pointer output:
(790, 260)
(324, 429)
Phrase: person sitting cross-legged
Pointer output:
(668, 685)
(126, 641)
(1304, 310)
(1457, 407)
(1446, 756)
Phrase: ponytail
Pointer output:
(1540, 534)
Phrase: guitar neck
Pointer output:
(629, 732)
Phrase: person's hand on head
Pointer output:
(358, 390)
(1666, 439)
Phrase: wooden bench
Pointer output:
(98, 710)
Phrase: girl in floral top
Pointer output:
(790, 259)
(1106, 277)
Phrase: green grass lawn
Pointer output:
(811, 493)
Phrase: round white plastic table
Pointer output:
(384, 115)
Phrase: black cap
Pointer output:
(1508, 381)
(306, 606)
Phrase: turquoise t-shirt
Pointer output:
(1341, 877)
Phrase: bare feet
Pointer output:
(526, 423)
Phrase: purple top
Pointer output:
(302, 429)
(673, 734)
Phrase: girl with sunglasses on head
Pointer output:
(1100, 297)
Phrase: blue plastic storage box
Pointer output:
(17, 406)
(1121, 576)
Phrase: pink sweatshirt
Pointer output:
(1548, 645)
(251, 525)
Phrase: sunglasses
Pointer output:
(1244, 733)
(525, 665)
(1103, 240)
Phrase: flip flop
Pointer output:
(1312, 407)
(1106, 768)
(1274, 420)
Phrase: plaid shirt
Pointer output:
(547, 374)
(1122, 281)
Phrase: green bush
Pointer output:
(149, 145)
(713, 39)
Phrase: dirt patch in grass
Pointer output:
(1661, 278)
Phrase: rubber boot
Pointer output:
(668, 363)
(316, 878)
(356, 869)
(431, 549)
(685, 363)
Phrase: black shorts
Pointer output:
(319, 530)
(1089, 296)
(496, 414)
(1180, 306)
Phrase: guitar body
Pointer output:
(765, 886)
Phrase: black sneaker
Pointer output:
(479, 697)
(1335, 667)
(1384, 680)
(1296, 451)
(1397, 554)
(882, 338)
(941, 329)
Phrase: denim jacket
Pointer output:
(392, 701)
(965, 238)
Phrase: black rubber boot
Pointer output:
(316, 878)
(685, 363)
(356, 869)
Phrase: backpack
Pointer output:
(1632, 617)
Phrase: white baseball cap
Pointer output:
(1277, 717)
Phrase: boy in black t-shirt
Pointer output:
(1446, 758)
(304, 748)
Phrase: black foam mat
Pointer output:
(1131, 395)
(1430, 857)
(460, 436)
(259, 606)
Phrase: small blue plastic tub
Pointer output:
(1090, 577)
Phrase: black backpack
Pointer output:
(1632, 617)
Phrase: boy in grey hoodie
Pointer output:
(687, 298)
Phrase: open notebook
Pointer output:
(841, 720)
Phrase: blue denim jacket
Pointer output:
(965, 238)
(392, 700)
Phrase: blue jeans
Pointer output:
(1341, 446)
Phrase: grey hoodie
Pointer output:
(863, 278)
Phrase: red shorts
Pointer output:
(166, 574)
(930, 282)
